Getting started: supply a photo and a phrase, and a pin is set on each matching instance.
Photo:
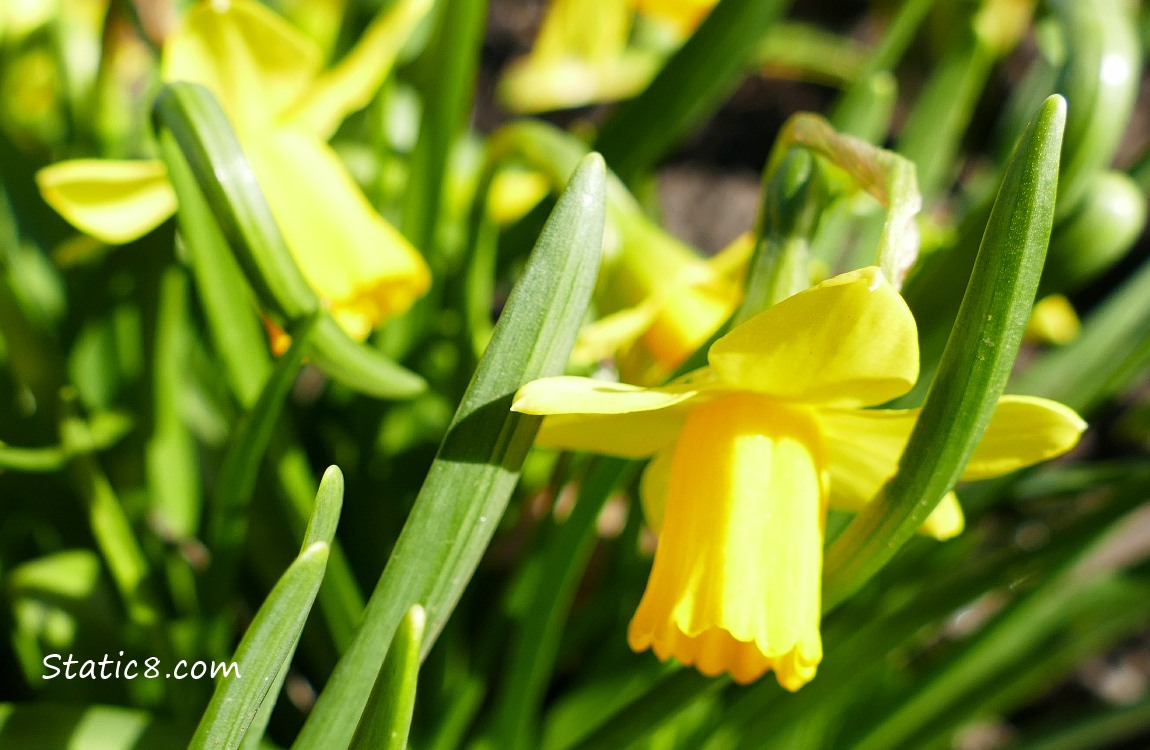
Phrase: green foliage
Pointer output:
(173, 409)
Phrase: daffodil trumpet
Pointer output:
(748, 453)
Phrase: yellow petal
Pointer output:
(352, 83)
(682, 15)
(606, 336)
(602, 417)
(863, 448)
(254, 62)
(946, 521)
(361, 265)
(1023, 431)
(570, 395)
(114, 201)
(625, 435)
(1053, 321)
(736, 578)
(585, 29)
(850, 341)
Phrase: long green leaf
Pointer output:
(470, 482)
(386, 719)
(267, 646)
(537, 645)
(206, 140)
(975, 364)
(228, 522)
(37, 726)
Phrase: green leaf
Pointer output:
(471, 480)
(171, 455)
(562, 564)
(206, 140)
(690, 86)
(991, 654)
(228, 304)
(228, 522)
(322, 528)
(670, 697)
(1100, 82)
(386, 719)
(265, 648)
(111, 528)
(449, 65)
(103, 431)
(43, 726)
(975, 365)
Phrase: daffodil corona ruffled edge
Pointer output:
(269, 80)
(750, 451)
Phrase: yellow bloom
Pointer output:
(269, 80)
(749, 451)
(682, 15)
(660, 300)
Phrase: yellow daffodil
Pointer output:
(682, 15)
(587, 52)
(660, 300)
(749, 451)
(269, 80)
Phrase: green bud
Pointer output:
(1104, 225)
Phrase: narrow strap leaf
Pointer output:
(975, 364)
(265, 648)
(201, 130)
(471, 480)
(228, 519)
(386, 720)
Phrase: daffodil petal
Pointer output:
(946, 521)
(571, 395)
(350, 85)
(606, 336)
(602, 417)
(736, 578)
(361, 265)
(1023, 431)
(863, 448)
(850, 341)
(252, 60)
(635, 435)
(114, 201)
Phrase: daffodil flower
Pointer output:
(269, 80)
(660, 300)
(748, 453)
(586, 52)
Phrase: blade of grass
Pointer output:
(470, 482)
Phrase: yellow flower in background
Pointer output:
(284, 106)
(682, 15)
(660, 300)
(748, 453)
(586, 52)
